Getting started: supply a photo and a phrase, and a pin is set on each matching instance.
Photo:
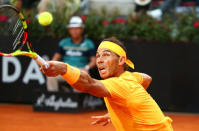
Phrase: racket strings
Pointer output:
(18, 38)
(17, 31)
(12, 30)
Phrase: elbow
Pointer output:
(147, 81)
(150, 80)
(80, 88)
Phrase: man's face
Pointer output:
(76, 32)
(107, 63)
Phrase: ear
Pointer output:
(121, 60)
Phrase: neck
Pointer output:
(77, 40)
(120, 71)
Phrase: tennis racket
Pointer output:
(13, 31)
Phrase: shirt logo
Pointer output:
(73, 53)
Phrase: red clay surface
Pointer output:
(23, 118)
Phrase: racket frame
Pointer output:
(19, 51)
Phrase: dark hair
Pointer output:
(118, 42)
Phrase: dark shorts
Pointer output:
(138, 7)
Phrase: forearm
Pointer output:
(77, 78)
(89, 85)
(83, 83)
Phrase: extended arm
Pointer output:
(85, 82)
(89, 85)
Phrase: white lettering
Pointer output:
(92, 102)
(33, 73)
(6, 77)
(56, 104)
(73, 53)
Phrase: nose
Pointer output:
(99, 60)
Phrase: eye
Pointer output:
(97, 56)
(106, 54)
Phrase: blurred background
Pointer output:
(161, 36)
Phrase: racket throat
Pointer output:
(24, 53)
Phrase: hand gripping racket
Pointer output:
(13, 31)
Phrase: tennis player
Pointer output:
(130, 107)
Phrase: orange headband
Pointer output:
(116, 49)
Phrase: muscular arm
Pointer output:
(89, 85)
(85, 82)
(146, 80)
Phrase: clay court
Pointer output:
(23, 118)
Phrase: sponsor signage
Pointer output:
(66, 102)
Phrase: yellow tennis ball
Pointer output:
(45, 18)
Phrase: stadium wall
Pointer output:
(173, 67)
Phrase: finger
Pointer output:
(97, 117)
(41, 68)
(105, 123)
(97, 122)
(109, 120)
(93, 123)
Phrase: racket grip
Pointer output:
(41, 61)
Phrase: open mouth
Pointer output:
(102, 70)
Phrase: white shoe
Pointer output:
(157, 13)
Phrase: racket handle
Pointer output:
(41, 61)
